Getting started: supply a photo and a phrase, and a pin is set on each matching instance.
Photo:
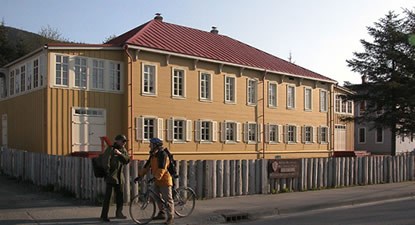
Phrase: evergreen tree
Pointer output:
(387, 67)
(5, 49)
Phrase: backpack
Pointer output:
(173, 164)
(98, 166)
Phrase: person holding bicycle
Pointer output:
(158, 162)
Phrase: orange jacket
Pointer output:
(158, 163)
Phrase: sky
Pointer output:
(320, 35)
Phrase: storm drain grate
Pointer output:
(235, 217)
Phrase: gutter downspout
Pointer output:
(130, 111)
(331, 119)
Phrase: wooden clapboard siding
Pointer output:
(25, 118)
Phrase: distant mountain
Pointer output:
(15, 43)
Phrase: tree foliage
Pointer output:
(387, 64)
(49, 32)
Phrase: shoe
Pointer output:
(160, 216)
(105, 219)
(169, 220)
(120, 216)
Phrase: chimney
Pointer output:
(158, 17)
(214, 30)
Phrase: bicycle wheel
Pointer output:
(184, 201)
(142, 209)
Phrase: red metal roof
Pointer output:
(160, 35)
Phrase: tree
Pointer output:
(387, 66)
(52, 33)
(5, 49)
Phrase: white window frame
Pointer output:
(115, 76)
(17, 81)
(36, 73)
(29, 76)
(382, 135)
(326, 135)
(23, 78)
(308, 134)
(205, 134)
(226, 127)
(251, 92)
(290, 134)
(98, 71)
(272, 95)
(308, 99)
(323, 101)
(149, 79)
(205, 86)
(81, 71)
(178, 83)
(142, 128)
(230, 90)
(290, 96)
(343, 106)
(252, 133)
(273, 133)
(63, 72)
(185, 130)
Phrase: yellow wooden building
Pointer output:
(206, 95)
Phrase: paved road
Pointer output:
(25, 204)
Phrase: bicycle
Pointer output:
(143, 205)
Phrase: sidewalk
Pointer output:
(26, 204)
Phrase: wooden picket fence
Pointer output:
(210, 178)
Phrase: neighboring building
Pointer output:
(206, 95)
(378, 141)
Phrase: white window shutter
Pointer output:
(170, 129)
(319, 134)
(266, 130)
(139, 134)
(223, 132)
(238, 132)
(259, 127)
(280, 133)
(197, 130)
(314, 135)
(245, 128)
(214, 131)
(298, 133)
(160, 128)
(188, 130)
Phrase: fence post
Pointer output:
(245, 177)
(264, 176)
(251, 188)
(226, 179)
(192, 175)
(238, 177)
(219, 172)
(182, 173)
(200, 179)
(232, 177)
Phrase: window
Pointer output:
(290, 97)
(230, 91)
(29, 76)
(308, 99)
(179, 130)
(251, 133)
(272, 95)
(149, 80)
(308, 134)
(272, 133)
(362, 135)
(205, 87)
(149, 127)
(362, 107)
(178, 83)
(11, 83)
(205, 131)
(342, 105)
(36, 73)
(230, 132)
(252, 92)
(61, 70)
(379, 135)
(115, 76)
(17, 81)
(22, 78)
(323, 101)
(98, 74)
(324, 135)
(290, 134)
(80, 72)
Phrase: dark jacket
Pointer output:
(114, 165)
